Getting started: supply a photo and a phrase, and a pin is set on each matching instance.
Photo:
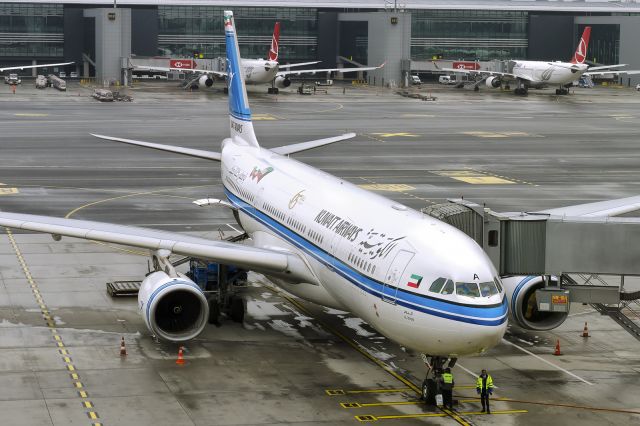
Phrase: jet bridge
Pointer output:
(583, 259)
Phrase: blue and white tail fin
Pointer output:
(239, 111)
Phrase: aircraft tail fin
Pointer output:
(239, 111)
(275, 42)
(581, 51)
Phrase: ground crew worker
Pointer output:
(447, 388)
(484, 388)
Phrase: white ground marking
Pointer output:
(547, 362)
(475, 375)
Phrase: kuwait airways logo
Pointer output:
(298, 198)
(415, 281)
(257, 174)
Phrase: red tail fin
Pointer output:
(275, 40)
(581, 51)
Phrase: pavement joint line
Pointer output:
(371, 181)
(63, 352)
(364, 352)
(547, 362)
(504, 177)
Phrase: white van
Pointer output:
(414, 80)
(447, 79)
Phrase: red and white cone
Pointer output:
(557, 351)
(180, 360)
(585, 332)
(123, 349)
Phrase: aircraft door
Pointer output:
(394, 274)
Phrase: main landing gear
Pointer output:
(562, 91)
(432, 382)
(521, 91)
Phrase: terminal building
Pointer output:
(101, 36)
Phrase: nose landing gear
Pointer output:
(433, 380)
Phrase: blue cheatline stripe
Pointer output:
(514, 296)
(481, 315)
(173, 282)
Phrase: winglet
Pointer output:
(239, 111)
(275, 41)
(581, 51)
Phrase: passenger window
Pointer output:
(467, 289)
(437, 285)
(488, 289)
(448, 288)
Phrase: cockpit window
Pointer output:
(437, 285)
(488, 289)
(448, 288)
(498, 284)
(467, 289)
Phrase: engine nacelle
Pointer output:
(282, 82)
(493, 82)
(521, 293)
(174, 309)
(205, 81)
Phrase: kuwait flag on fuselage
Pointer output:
(415, 281)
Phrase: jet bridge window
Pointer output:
(467, 289)
(488, 289)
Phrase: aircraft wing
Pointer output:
(630, 72)
(303, 146)
(257, 259)
(606, 67)
(198, 153)
(24, 67)
(339, 70)
(167, 69)
(598, 209)
(299, 64)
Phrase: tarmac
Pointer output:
(291, 362)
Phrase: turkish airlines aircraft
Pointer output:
(540, 74)
(260, 71)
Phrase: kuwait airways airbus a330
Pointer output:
(415, 279)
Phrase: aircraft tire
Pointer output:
(429, 391)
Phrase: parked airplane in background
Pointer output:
(259, 71)
(540, 74)
(24, 67)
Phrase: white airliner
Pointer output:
(25, 67)
(540, 74)
(260, 71)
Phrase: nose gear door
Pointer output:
(394, 275)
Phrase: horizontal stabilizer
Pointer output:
(304, 146)
(198, 153)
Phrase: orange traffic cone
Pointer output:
(123, 349)
(557, 352)
(180, 360)
(585, 332)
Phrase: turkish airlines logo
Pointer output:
(581, 51)
(257, 174)
(546, 74)
(273, 51)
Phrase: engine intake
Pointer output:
(174, 309)
(523, 308)
(493, 82)
(282, 82)
(205, 81)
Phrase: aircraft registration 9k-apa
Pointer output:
(415, 279)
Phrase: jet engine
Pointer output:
(521, 293)
(205, 81)
(174, 309)
(493, 82)
(282, 82)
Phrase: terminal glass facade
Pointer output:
(31, 30)
(185, 30)
(468, 34)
